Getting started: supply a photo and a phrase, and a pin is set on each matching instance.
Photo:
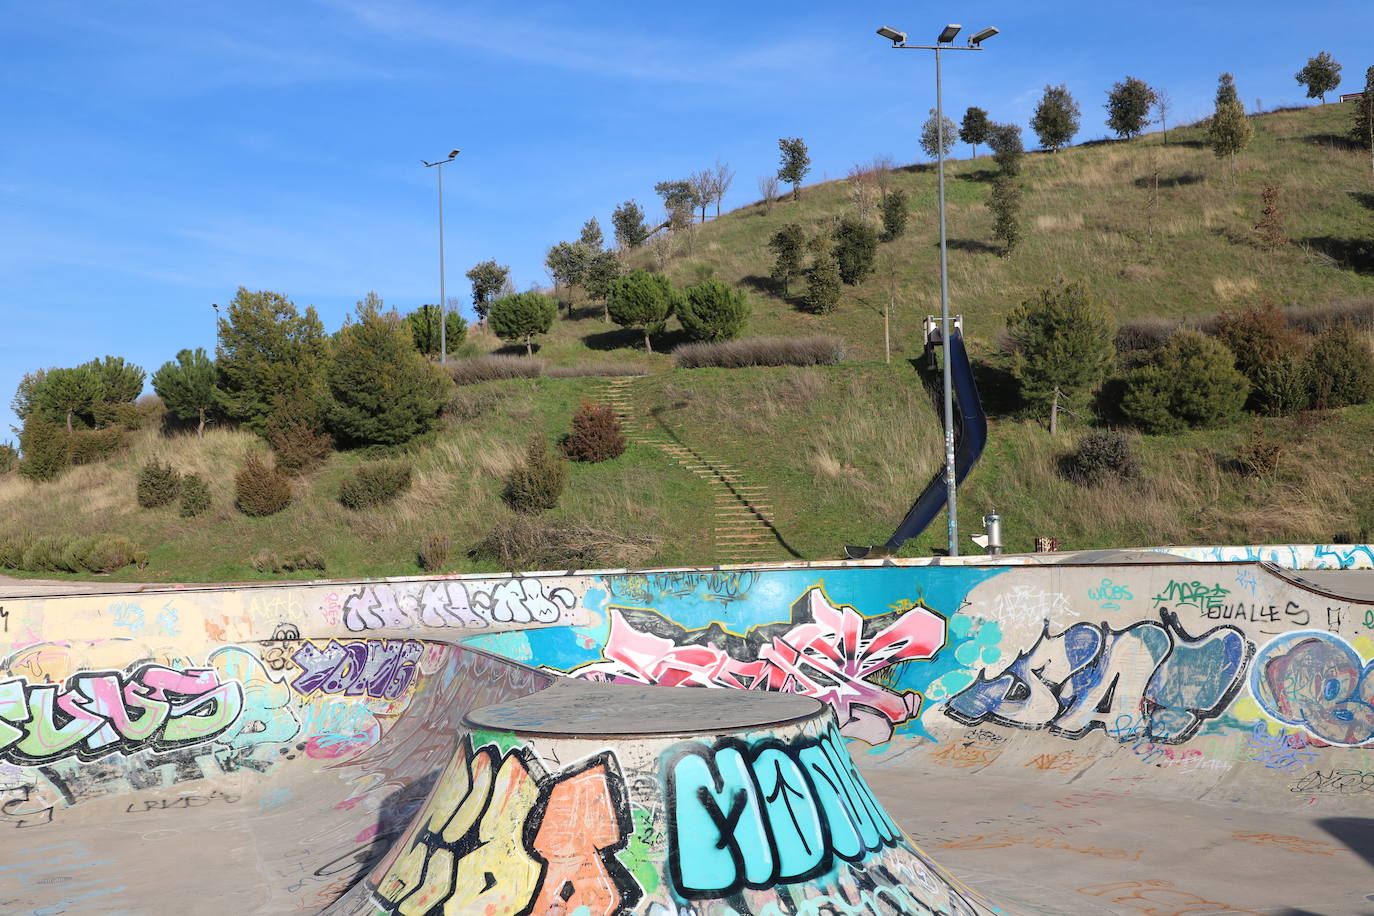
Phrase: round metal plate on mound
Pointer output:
(592, 710)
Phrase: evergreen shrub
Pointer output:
(1100, 456)
(261, 489)
(375, 484)
(596, 434)
(536, 485)
(158, 484)
(195, 496)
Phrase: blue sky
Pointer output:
(162, 154)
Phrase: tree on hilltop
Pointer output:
(1230, 130)
(187, 386)
(1007, 149)
(489, 280)
(1056, 118)
(268, 351)
(933, 140)
(630, 229)
(1128, 107)
(520, 317)
(1362, 131)
(794, 163)
(975, 127)
(1321, 75)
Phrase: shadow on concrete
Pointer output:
(1357, 833)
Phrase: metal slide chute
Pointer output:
(970, 436)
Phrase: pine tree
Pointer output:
(712, 311)
(1064, 346)
(268, 351)
(489, 280)
(187, 386)
(591, 235)
(1362, 131)
(384, 392)
(895, 212)
(1128, 107)
(521, 317)
(1321, 75)
(424, 329)
(641, 300)
(628, 220)
(975, 127)
(1005, 204)
(1056, 118)
(1230, 130)
(69, 392)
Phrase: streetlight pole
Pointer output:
(443, 303)
(943, 43)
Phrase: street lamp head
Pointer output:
(982, 35)
(892, 35)
(453, 153)
(948, 34)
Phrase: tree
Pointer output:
(591, 235)
(1005, 204)
(641, 300)
(1341, 367)
(489, 280)
(788, 245)
(46, 448)
(1056, 118)
(702, 183)
(1064, 343)
(187, 386)
(628, 220)
(26, 394)
(1362, 131)
(567, 263)
(69, 392)
(1005, 140)
(823, 279)
(679, 201)
(268, 351)
(120, 382)
(1321, 75)
(384, 392)
(931, 136)
(856, 245)
(1230, 130)
(1192, 381)
(1163, 104)
(768, 191)
(975, 128)
(793, 163)
(895, 212)
(424, 329)
(522, 316)
(712, 311)
(1269, 229)
(722, 176)
(1128, 107)
(602, 271)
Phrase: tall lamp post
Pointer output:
(943, 43)
(443, 303)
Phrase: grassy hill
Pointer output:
(839, 452)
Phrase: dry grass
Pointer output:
(1229, 289)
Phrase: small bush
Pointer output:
(536, 485)
(301, 558)
(523, 542)
(1191, 382)
(1258, 456)
(158, 484)
(119, 414)
(1145, 334)
(1101, 456)
(493, 368)
(260, 489)
(46, 448)
(67, 553)
(761, 351)
(596, 434)
(113, 552)
(1284, 386)
(434, 550)
(375, 484)
(195, 496)
(299, 445)
(89, 446)
(1341, 367)
(1258, 336)
(9, 458)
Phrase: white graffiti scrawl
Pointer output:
(472, 605)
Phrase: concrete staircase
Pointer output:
(743, 512)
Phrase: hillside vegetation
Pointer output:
(839, 452)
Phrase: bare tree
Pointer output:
(864, 192)
(722, 176)
(768, 191)
(703, 184)
(1162, 105)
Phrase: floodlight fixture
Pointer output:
(982, 35)
(892, 35)
(948, 34)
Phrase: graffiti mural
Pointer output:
(376, 668)
(825, 651)
(1153, 676)
(473, 605)
(503, 835)
(1316, 681)
(769, 814)
(97, 713)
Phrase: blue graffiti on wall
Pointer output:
(1317, 681)
(771, 813)
(1089, 675)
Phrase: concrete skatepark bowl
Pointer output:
(1163, 737)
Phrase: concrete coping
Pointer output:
(582, 709)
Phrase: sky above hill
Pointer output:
(162, 154)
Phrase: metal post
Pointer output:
(443, 303)
(951, 499)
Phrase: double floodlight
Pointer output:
(947, 35)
